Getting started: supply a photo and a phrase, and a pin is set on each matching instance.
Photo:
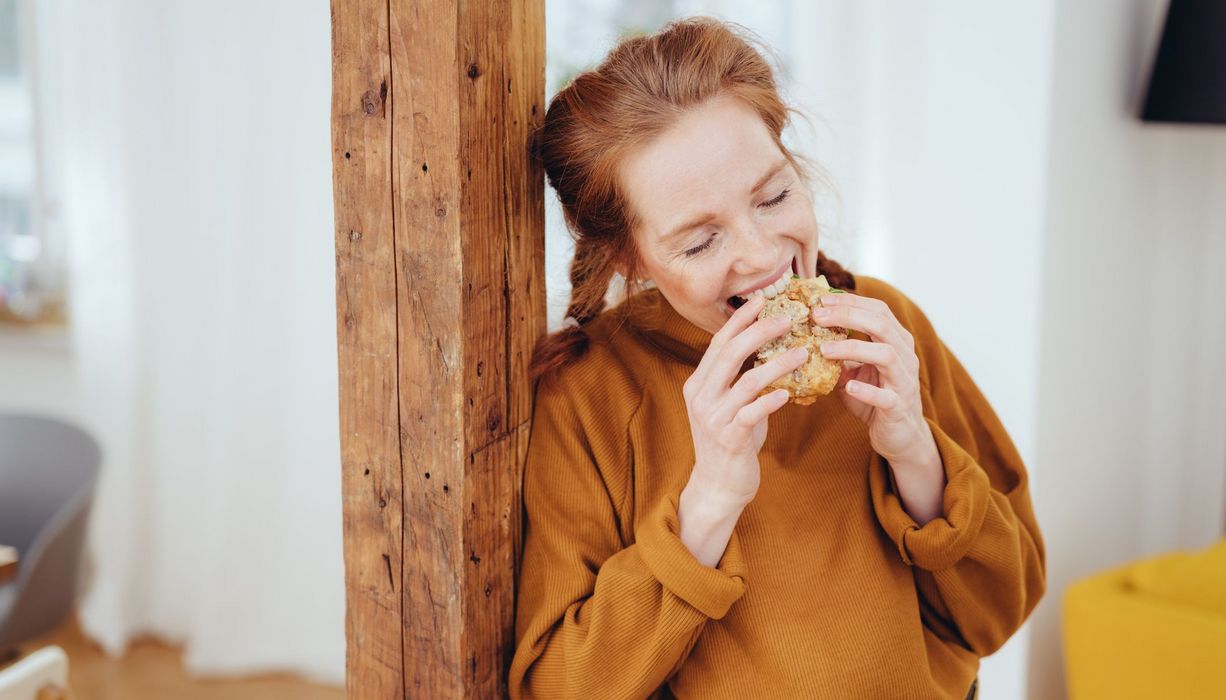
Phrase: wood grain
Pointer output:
(153, 669)
(371, 481)
(467, 221)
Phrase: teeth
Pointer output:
(770, 290)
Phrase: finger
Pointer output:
(883, 356)
(741, 319)
(880, 326)
(732, 356)
(875, 396)
(755, 380)
(871, 304)
(750, 415)
(851, 299)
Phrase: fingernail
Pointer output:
(800, 353)
(826, 347)
(820, 312)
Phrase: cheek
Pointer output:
(799, 219)
(697, 290)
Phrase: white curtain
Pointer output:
(189, 166)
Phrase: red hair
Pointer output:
(640, 89)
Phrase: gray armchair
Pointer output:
(48, 470)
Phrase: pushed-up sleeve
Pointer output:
(598, 617)
(979, 567)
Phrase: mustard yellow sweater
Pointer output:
(827, 589)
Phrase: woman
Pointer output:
(687, 537)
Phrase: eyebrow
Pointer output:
(704, 218)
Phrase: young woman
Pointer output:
(687, 537)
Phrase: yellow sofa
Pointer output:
(1151, 629)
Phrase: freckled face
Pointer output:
(721, 210)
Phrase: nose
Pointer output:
(757, 251)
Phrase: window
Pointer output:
(31, 277)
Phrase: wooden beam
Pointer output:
(371, 482)
(440, 297)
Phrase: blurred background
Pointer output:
(167, 286)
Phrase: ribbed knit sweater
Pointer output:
(827, 588)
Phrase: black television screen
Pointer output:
(1188, 81)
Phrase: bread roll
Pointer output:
(818, 375)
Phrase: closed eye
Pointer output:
(700, 247)
(778, 200)
(690, 252)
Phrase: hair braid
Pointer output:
(590, 273)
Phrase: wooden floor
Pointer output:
(153, 671)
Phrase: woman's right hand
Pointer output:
(727, 420)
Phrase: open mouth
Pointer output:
(769, 291)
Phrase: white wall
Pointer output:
(1132, 426)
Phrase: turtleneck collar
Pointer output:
(650, 315)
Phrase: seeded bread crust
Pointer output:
(818, 375)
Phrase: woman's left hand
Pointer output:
(879, 383)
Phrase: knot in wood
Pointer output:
(473, 71)
(371, 102)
